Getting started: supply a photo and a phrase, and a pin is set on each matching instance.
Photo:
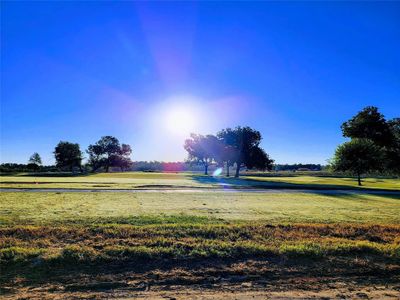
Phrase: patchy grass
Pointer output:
(137, 180)
(39, 208)
(126, 180)
(66, 244)
(58, 243)
(328, 182)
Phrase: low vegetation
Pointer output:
(87, 243)
(63, 244)
(36, 208)
(146, 180)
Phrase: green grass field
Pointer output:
(65, 235)
(47, 208)
(137, 180)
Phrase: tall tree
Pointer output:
(369, 123)
(107, 152)
(227, 157)
(358, 156)
(229, 150)
(68, 155)
(392, 153)
(246, 151)
(35, 162)
(35, 159)
(203, 149)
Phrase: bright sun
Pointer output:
(180, 120)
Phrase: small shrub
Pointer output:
(18, 254)
(79, 253)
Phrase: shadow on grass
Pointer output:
(243, 183)
(107, 276)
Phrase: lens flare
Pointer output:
(217, 172)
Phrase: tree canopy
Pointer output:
(34, 162)
(358, 156)
(392, 153)
(240, 146)
(370, 124)
(108, 152)
(245, 148)
(203, 149)
(68, 155)
(35, 159)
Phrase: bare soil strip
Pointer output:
(356, 278)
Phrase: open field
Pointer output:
(48, 208)
(142, 180)
(107, 261)
(191, 245)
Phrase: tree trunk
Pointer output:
(107, 168)
(227, 169)
(206, 169)
(359, 179)
(237, 170)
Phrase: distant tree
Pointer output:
(34, 162)
(296, 167)
(369, 123)
(107, 152)
(245, 145)
(358, 157)
(35, 159)
(68, 155)
(203, 149)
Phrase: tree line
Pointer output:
(239, 147)
(105, 153)
(374, 145)
(152, 166)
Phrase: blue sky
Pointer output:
(295, 71)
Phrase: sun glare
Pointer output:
(180, 120)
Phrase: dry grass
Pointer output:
(102, 244)
(134, 180)
(119, 243)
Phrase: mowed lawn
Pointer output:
(144, 180)
(126, 180)
(124, 207)
(55, 240)
(329, 182)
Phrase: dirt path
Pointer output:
(322, 279)
(334, 291)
